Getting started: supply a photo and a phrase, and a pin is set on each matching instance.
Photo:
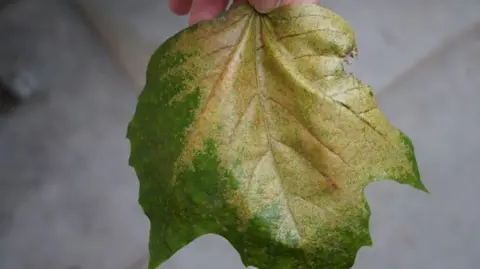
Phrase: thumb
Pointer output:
(263, 6)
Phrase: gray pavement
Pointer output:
(68, 197)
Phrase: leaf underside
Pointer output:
(249, 128)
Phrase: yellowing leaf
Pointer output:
(249, 128)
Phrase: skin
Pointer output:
(201, 10)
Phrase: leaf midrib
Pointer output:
(259, 23)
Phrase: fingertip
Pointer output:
(263, 6)
(237, 3)
(180, 7)
(200, 16)
(204, 10)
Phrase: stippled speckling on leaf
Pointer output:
(249, 128)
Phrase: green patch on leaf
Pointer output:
(249, 128)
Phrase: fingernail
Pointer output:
(264, 6)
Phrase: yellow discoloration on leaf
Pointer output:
(304, 131)
(301, 137)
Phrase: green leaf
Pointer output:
(249, 128)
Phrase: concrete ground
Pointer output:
(68, 199)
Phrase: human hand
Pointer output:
(201, 10)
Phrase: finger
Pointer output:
(180, 7)
(289, 2)
(237, 3)
(263, 5)
(203, 10)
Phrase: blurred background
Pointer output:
(70, 72)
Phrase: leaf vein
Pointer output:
(309, 131)
(269, 138)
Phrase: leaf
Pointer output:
(249, 128)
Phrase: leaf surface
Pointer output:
(250, 128)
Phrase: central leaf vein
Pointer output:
(264, 107)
